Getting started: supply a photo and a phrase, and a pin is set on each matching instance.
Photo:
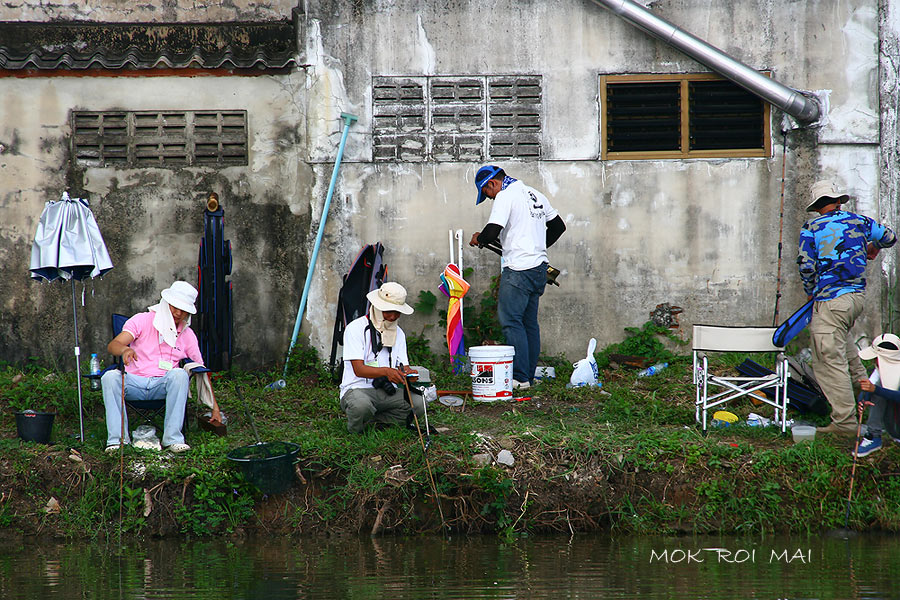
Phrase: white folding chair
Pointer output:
(715, 338)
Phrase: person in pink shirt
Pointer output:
(151, 345)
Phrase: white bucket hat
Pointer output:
(886, 349)
(181, 295)
(390, 296)
(825, 189)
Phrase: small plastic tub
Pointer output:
(34, 426)
(803, 433)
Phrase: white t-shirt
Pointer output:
(523, 213)
(358, 346)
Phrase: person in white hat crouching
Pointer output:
(376, 363)
(151, 345)
(880, 392)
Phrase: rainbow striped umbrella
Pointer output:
(454, 287)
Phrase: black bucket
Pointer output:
(35, 426)
(268, 466)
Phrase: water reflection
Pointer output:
(480, 567)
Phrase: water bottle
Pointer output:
(653, 370)
(276, 385)
(95, 370)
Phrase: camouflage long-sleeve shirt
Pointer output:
(832, 257)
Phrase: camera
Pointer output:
(383, 383)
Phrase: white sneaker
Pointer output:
(178, 448)
(113, 448)
(521, 385)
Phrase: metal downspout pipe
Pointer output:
(794, 103)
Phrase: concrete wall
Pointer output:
(152, 219)
(701, 234)
(167, 11)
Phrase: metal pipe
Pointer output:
(348, 120)
(794, 103)
(78, 366)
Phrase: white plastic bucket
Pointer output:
(492, 372)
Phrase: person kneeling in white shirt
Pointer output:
(376, 364)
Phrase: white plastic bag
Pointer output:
(145, 437)
(586, 371)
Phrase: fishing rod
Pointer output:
(437, 498)
(552, 272)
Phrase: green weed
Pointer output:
(641, 341)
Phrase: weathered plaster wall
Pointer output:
(889, 70)
(168, 11)
(152, 219)
(702, 234)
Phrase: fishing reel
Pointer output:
(212, 203)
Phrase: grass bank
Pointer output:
(625, 457)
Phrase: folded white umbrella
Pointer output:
(68, 245)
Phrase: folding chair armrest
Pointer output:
(112, 367)
(195, 370)
(99, 375)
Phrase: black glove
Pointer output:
(383, 383)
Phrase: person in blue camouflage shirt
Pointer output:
(834, 248)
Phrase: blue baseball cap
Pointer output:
(484, 175)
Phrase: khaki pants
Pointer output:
(835, 361)
(364, 405)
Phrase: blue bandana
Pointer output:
(506, 182)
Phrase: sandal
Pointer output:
(113, 448)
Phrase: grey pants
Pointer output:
(835, 361)
(365, 405)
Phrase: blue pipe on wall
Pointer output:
(348, 120)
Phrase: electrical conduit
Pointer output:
(348, 120)
(794, 103)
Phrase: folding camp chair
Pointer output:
(151, 412)
(715, 338)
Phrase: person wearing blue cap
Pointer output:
(525, 224)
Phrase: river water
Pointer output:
(583, 566)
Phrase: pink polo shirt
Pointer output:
(149, 349)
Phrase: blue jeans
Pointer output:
(173, 386)
(517, 310)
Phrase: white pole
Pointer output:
(459, 241)
(450, 234)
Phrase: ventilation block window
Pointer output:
(456, 118)
(166, 139)
(680, 116)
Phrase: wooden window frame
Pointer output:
(685, 152)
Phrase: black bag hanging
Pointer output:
(215, 315)
(793, 325)
(367, 273)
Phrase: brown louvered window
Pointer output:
(166, 139)
(456, 118)
(680, 116)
